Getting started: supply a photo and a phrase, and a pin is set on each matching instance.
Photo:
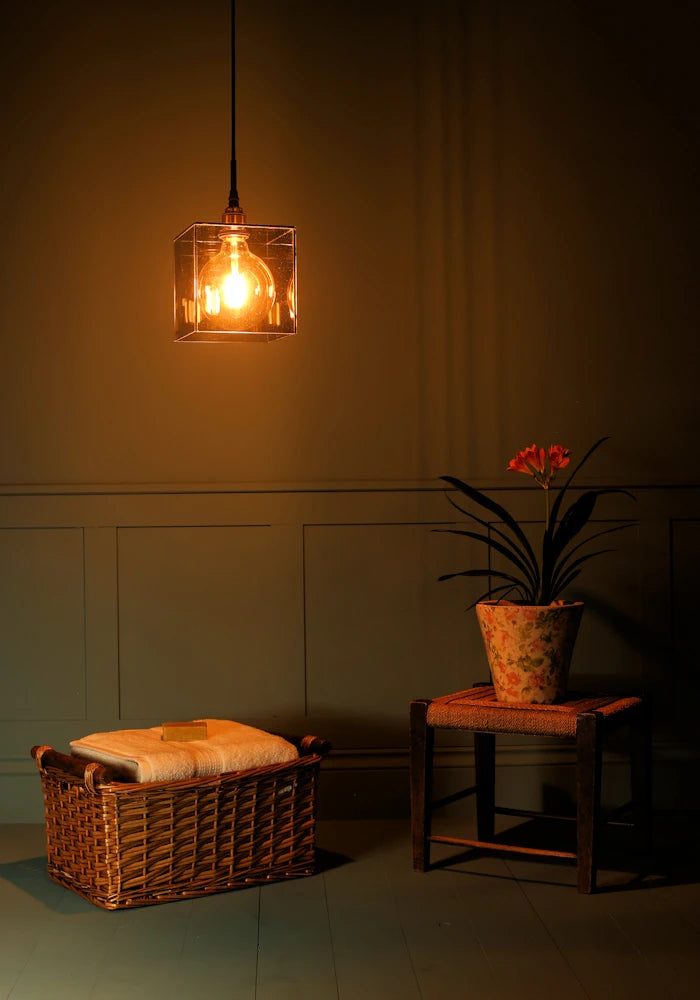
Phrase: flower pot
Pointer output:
(529, 648)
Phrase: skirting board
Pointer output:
(365, 784)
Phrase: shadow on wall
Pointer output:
(649, 669)
(653, 646)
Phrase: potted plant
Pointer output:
(529, 630)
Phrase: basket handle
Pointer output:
(308, 744)
(314, 744)
(88, 771)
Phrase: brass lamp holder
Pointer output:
(233, 215)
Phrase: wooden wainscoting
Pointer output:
(306, 609)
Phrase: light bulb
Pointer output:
(236, 288)
(291, 303)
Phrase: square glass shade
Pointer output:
(235, 283)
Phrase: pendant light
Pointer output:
(235, 282)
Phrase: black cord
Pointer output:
(233, 193)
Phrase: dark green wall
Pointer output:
(497, 214)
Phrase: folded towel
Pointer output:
(141, 754)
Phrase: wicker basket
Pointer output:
(121, 845)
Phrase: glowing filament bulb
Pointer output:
(236, 288)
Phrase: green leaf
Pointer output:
(576, 517)
(554, 514)
(559, 569)
(517, 552)
(488, 595)
(565, 583)
(492, 544)
(482, 572)
(557, 587)
(495, 508)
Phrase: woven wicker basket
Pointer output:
(121, 845)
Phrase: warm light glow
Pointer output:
(235, 282)
(236, 288)
(290, 297)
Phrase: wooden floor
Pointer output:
(366, 928)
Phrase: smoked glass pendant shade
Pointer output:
(235, 283)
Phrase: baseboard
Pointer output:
(374, 783)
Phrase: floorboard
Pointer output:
(366, 927)
(220, 946)
(525, 959)
(604, 959)
(295, 952)
(667, 943)
(437, 927)
(372, 958)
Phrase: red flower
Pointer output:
(558, 457)
(541, 463)
(529, 461)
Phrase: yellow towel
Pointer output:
(141, 754)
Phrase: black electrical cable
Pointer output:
(233, 193)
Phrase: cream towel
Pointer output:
(141, 754)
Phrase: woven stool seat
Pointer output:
(585, 718)
(478, 710)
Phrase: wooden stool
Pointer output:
(586, 718)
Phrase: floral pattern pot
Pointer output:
(529, 648)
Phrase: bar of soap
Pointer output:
(183, 732)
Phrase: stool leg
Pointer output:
(421, 767)
(640, 771)
(485, 765)
(588, 772)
